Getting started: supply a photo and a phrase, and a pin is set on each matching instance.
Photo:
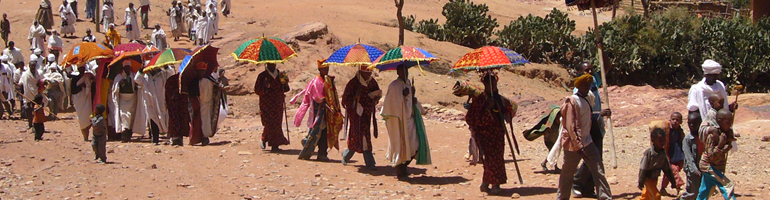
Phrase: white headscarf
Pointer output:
(711, 67)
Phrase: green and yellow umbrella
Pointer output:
(264, 50)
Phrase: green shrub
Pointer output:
(468, 24)
(539, 39)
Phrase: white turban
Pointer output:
(32, 58)
(38, 51)
(4, 58)
(711, 67)
(51, 57)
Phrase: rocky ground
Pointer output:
(233, 167)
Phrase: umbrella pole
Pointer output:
(600, 47)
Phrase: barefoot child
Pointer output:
(693, 148)
(38, 117)
(99, 141)
(714, 158)
(673, 147)
(653, 162)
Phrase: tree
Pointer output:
(400, 17)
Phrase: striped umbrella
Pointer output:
(358, 54)
(170, 56)
(264, 50)
(488, 57)
(409, 56)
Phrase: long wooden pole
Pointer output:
(608, 119)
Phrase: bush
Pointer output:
(468, 24)
(539, 39)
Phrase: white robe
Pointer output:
(207, 106)
(6, 82)
(699, 94)
(37, 37)
(82, 102)
(131, 19)
(66, 13)
(154, 98)
(204, 29)
(108, 17)
(397, 111)
(125, 113)
(159, 39)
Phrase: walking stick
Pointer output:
(608, 119)
(286, 117)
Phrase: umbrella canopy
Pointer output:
(264, 50)
(170, 56)
(488, 57)
(409, 56)
(128, 47)
(116, 66)
(86, 52)
(358, 54)
(203, 55)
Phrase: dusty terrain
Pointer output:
(234, 167)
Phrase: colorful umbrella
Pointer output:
(202, 55)
(409, 56)
(358, 54)
(264, 50)
(170, 56)
(116, 66)
(488, 57)
(86, 52)
(128, 47)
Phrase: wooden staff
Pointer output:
(608, 119)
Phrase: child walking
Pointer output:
(38, 117)
(99, 141)
(653, 162)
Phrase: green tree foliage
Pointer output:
(467, 24)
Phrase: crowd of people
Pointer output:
(152, 100)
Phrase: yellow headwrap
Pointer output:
(586, 78)
(321, 62)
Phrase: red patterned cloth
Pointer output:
(489, 138)
(355, 97)
(271, 104)
(178, 113)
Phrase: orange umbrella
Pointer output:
(86, 52)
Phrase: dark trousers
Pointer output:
(154, 132)
(99, 145)
(39, 129)
(583, 180)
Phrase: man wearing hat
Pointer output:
(577, 142)
(317, 97)
(6, 86)
(359, 99)
(271, 87)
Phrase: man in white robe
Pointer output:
(204, 29)
(81, 97)
(29, 81)
(398, 111)
(123, 97)
(108, 15)
(68, 19)
(36, 36)
(6, 86)
(159, 38)
(152, 89)
(132, 26)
